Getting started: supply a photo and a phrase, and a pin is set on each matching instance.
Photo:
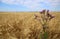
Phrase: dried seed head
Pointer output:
(35, 16)
(38, 19)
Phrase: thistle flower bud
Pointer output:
(47, 11)
(51, 17)
(48, 15)
(42, 12)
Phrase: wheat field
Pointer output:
(22, 25)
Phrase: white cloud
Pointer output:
(33, 3)
(53, 2)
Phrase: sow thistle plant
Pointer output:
(44, 20)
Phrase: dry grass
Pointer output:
(22, 25)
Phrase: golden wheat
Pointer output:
(22, 25)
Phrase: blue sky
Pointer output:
(29, 5)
